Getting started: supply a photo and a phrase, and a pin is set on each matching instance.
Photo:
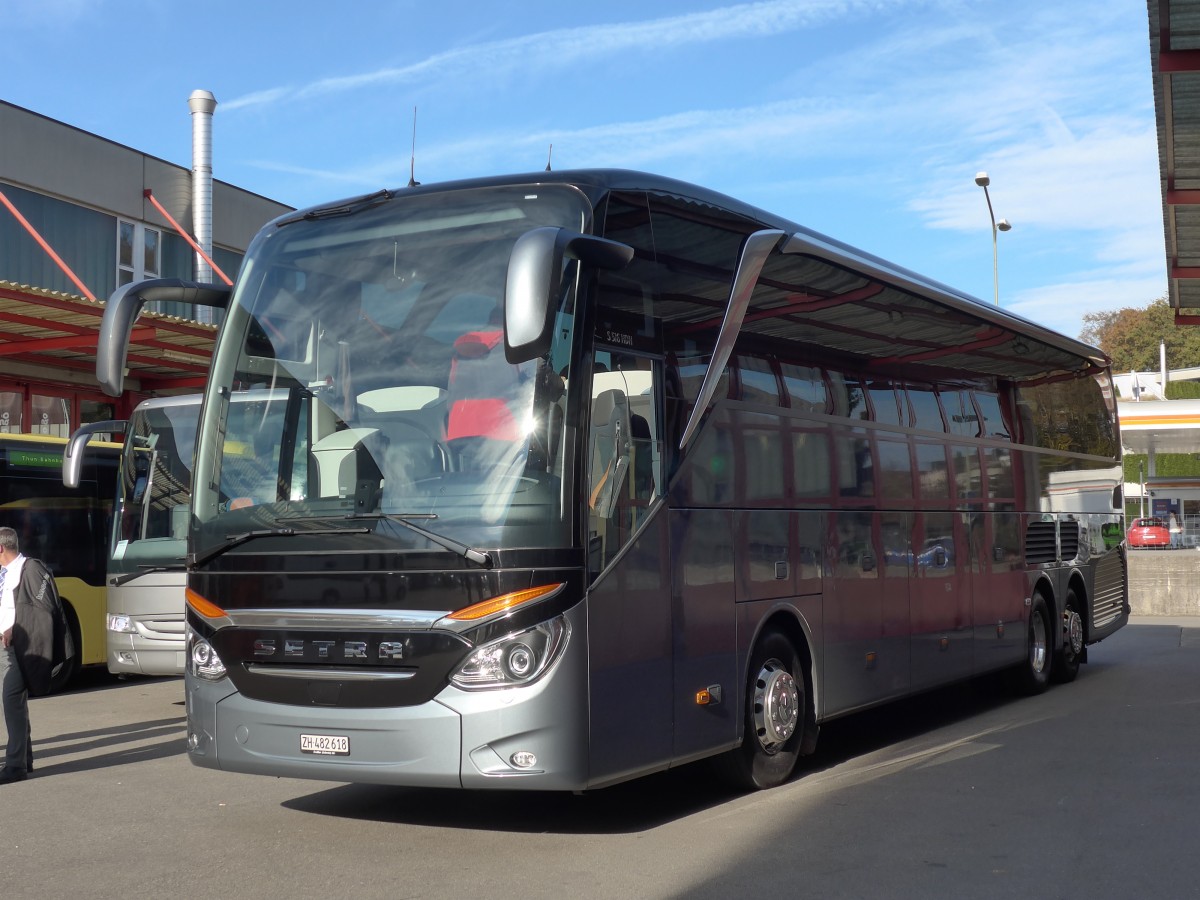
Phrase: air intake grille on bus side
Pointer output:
(1041, 545)
(1068, 540)
(1109, 597)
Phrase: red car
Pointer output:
(1149, 533)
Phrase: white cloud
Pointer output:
(1056, 106)
(57, 13)
(259, 98)
(1104, 179)
(1062, 306)
(562, 48)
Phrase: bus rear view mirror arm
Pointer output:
(122, 310)
(534, 283)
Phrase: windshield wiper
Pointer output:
(144, 570)
(232, 540)
(467, 552)
(480, 557)
(345, 208)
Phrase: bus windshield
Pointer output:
(362, 378)
(154, 490)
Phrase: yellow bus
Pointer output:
(65, 528)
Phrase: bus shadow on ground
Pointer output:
(657, 799)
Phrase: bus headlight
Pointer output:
(123, 624)
(515, 659)
(204, 661)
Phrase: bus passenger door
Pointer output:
(629, 609)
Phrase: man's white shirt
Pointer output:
(8, 606)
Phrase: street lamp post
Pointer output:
(983, 181)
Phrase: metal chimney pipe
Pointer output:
(202, 104)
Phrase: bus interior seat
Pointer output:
(179, 521)
(408, 451)
(480, 380)
(607, 465)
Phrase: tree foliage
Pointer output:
(1131, 337)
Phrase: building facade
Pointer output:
(81, 215)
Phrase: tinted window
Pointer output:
(925, 410)
(931, 471)
(856, 469)
(966, 473)
(961, 417)
(895, 469)
(993, 419)
(883, 399)
(810, 463)
(849, 397)
(805, 387)
(758, 381)
(999, 472)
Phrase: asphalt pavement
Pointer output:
(1087, 791)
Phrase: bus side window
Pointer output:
(993, 424)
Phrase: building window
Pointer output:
(51, 415)
(139, 252)
(11, 405)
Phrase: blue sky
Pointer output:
(863, 119)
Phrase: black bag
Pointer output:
(42, 637)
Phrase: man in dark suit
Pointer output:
(19, 757)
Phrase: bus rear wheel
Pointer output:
(1069, 656)
(1033, 675)
(774, 717)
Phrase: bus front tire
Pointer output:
(773, 725)
(1033, 676)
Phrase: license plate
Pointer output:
(325, 744)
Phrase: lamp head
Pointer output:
(981, 179)
(1004, 225)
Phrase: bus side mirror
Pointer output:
(72, 466)
(121, 311)
(534, 284)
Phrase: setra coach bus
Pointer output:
(557, 480)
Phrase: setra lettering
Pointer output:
(294, 647)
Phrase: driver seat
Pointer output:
(480, 381)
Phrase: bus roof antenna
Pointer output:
(548, 155)
(412, 160)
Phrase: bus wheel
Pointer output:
(71, 667)
(1066, 660)
(774, 719)
(1034, 673)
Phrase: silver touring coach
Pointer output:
(566, 478)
